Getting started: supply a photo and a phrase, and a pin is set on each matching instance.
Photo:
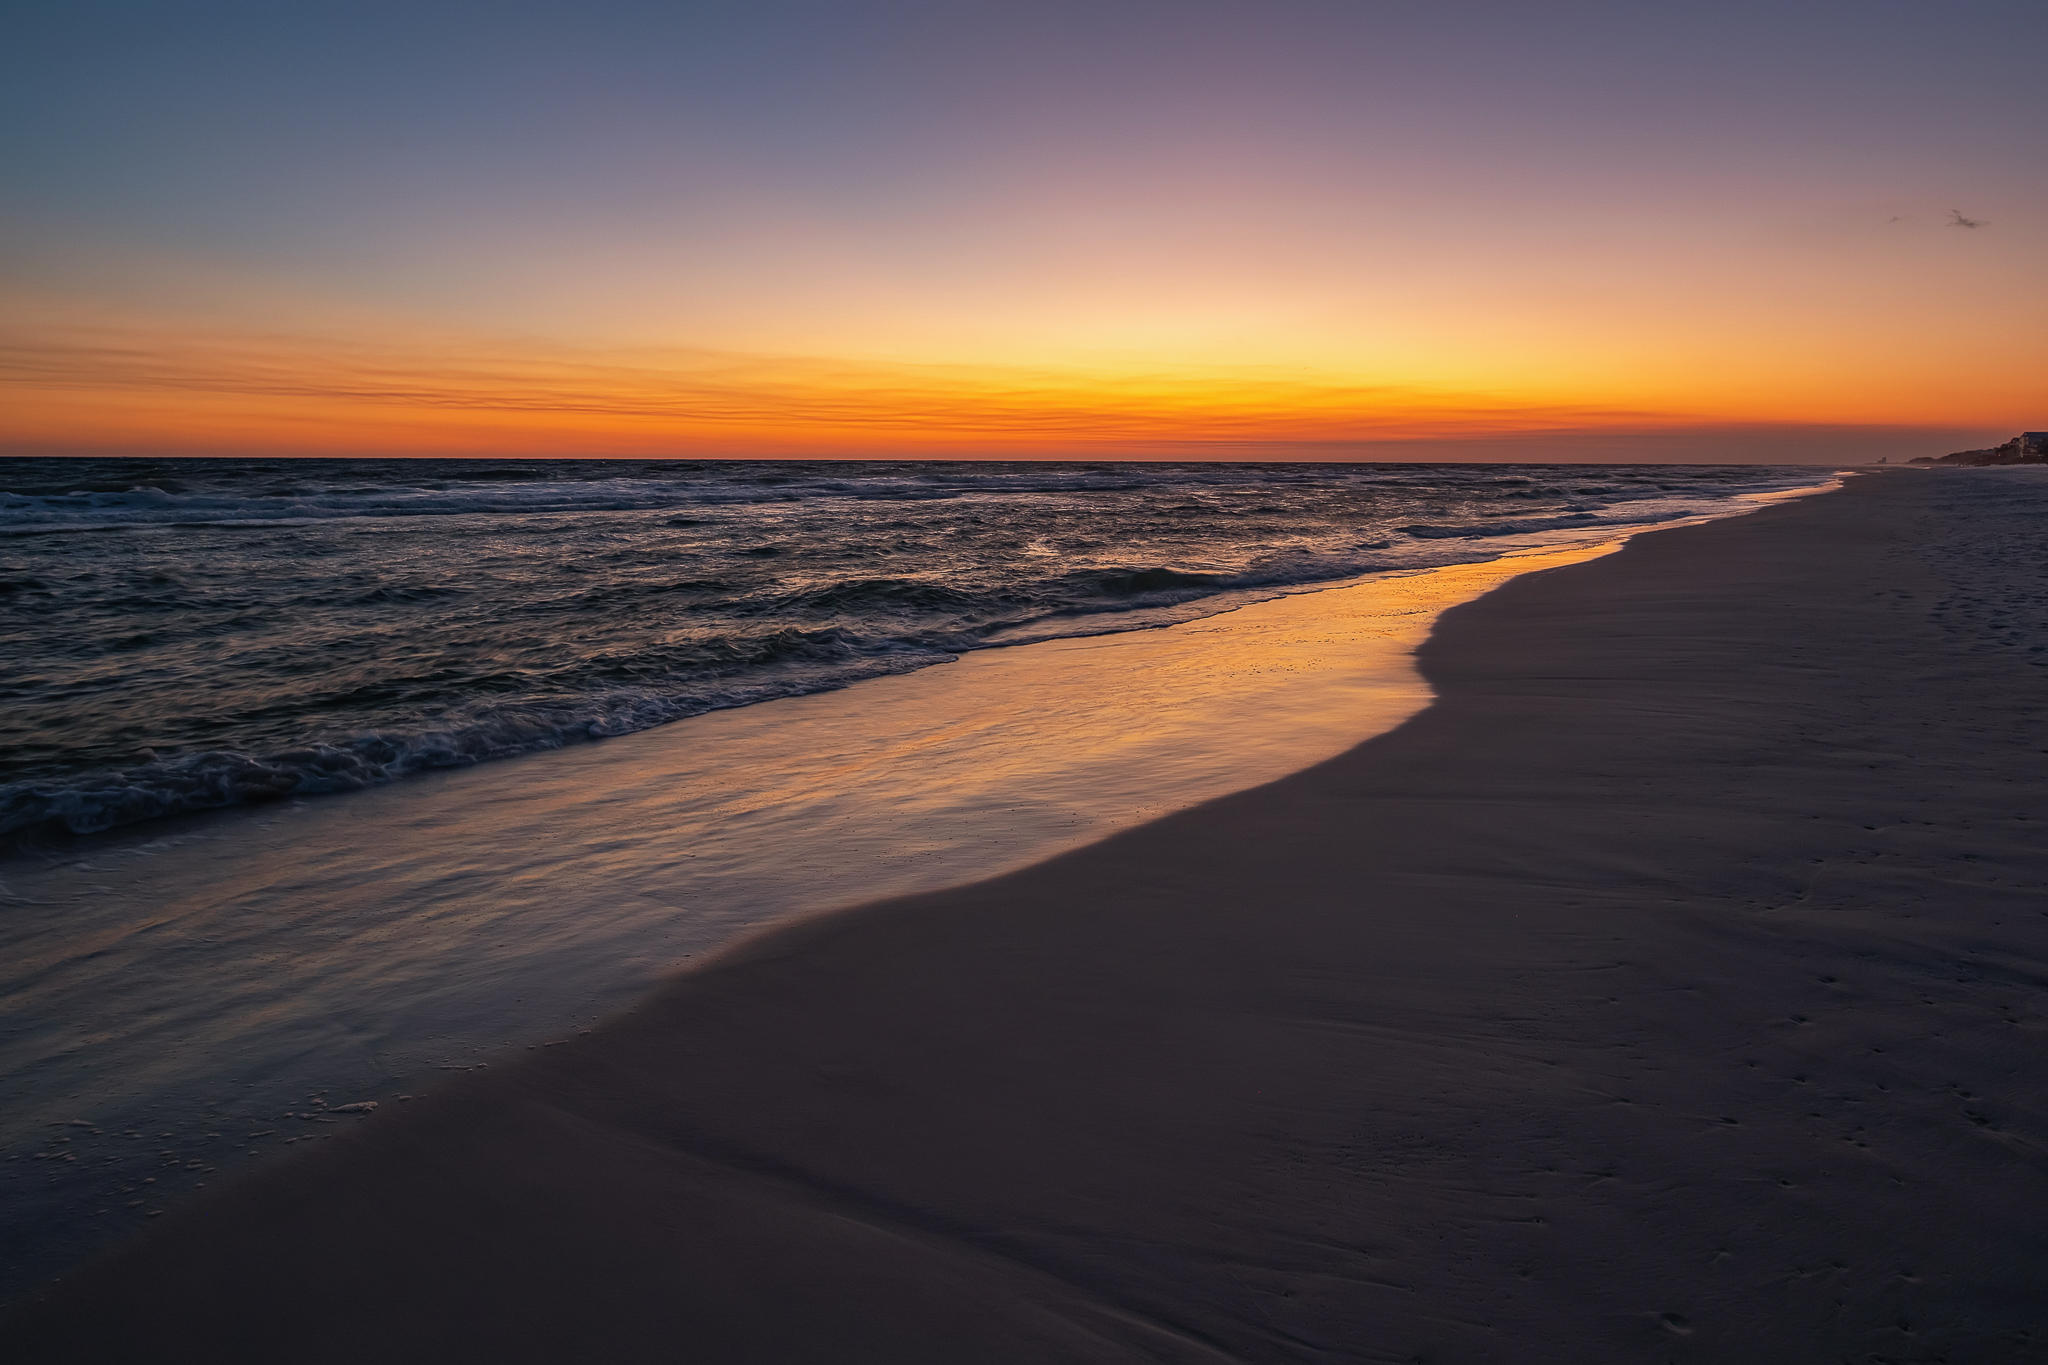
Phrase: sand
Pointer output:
(1671, 988)
(179, 1002)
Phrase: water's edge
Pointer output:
(189, 638)
(185, 999)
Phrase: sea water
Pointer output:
(182, 635)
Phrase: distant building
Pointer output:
(2029, 447)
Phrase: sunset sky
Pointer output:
(1454, 230)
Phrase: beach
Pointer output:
(193, 992)
(181, 1001)
(1668, 988)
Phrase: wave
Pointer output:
(188, 784)
(264, 670)
(152, 506)
(747, 668)
(146, 505)
(1522, 526)
(295, 496)
(936, 623)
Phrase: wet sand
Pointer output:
(1670, 988)
(178, 1005)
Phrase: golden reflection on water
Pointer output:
(1009, 755)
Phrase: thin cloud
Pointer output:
(709, 392)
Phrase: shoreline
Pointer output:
(180, 1007)
(1483, 1037)
(877, 626)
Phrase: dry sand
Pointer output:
(1670, 989)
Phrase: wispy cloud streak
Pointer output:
(727, 394)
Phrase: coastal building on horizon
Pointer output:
(2029, 447)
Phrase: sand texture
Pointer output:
(1671, 989)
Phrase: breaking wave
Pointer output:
(276, 629)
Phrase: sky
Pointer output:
(1284, 229)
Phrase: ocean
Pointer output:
(182, 635)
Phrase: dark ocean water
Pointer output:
(177, 635)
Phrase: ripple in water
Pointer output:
(189, 634)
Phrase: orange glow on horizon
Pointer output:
(155, 389)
